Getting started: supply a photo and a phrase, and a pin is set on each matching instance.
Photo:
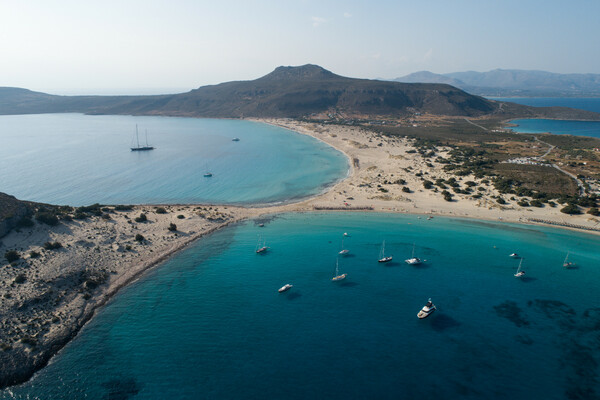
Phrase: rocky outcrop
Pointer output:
(11, 212)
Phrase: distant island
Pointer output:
(306, 91)
(513, 83)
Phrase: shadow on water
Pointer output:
(294, 296)
(442, 322)
(528, 279)
(348, 284)
(121, 388)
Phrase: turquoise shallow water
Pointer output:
(559, 127)
(80, 159)
(209, 323)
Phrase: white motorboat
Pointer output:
(426, 310)
(285, 288)
(513, 255)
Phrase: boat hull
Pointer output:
(142, 148)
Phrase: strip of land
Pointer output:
(64, 272)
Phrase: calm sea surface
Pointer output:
(210, 324)
(577, 128)
(80, 159)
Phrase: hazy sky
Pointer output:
(147, 46)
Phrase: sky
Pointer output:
(152, 46)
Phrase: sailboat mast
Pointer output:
(146, 137)
(137, 136)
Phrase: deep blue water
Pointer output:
(559, 127)
(210, 324)
(80, 159)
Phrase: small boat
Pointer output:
(343, 251)
(566, 263)
(382, 257)
(261, 225)
(261, 248)
(337, 276)
(513, 255)
(285, 288)
(138, 147)
(413, 260)
(346, 234)
(520, 273)
(426, 310)
(235, 139)
(207, 174)
(430, 217)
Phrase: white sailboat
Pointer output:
(343, 251)
(413, 260)
(261, 247)
(382, 257)
(566, 263)
(338, 276)
(520, 273)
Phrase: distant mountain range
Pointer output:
(514, 82)
(293, 92)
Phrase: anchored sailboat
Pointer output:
(343, 251)
(382, 257)
(137, 138)
(261, 247)
(337, 276)
(566, 263)
(413, 260)
(519, 272)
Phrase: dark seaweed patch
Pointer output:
(583, 381)
(556, 310)
(121, 389)
(591, 320)
(524, 339)
(512, 312)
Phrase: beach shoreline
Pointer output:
(107, 247)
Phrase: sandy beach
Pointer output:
(48, 298)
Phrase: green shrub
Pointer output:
(139, 237)
(447, 195)
(34, 254)
(180, 216)
(20, 279)
(501, 200)
(172, 227)
(537, 203)
(123, 207)
(46, 218)
(12, 256)
(406, 189)
(427, 184)
(594, 211)
(571, 209)
(25, 222)
(161, 210)
(52, 245)
(141, 218)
